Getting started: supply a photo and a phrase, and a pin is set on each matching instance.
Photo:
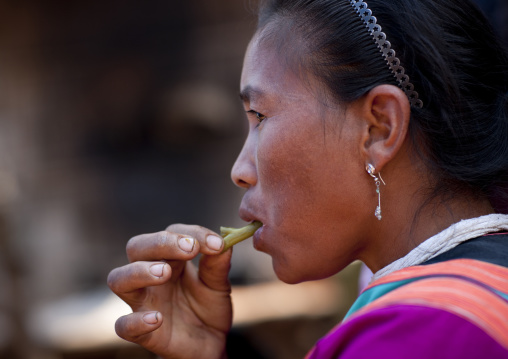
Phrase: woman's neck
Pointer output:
(415, 219)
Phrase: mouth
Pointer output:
(233, 236)
(248, 216)
(256, 237)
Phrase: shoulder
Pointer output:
(453, 309)
(408, 331)
(492, 248)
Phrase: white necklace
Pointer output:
(446, 240)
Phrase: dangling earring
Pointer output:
(377, 180)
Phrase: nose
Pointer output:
(244, 171)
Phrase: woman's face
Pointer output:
(302, 170)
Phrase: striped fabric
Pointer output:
(426, 311)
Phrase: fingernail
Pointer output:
(151, 318)
(157, 270)
(186, 244)
(214, 242)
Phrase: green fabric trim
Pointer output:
(502, 294)
(375, 292)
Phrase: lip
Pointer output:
(257, 238)
(248, 215)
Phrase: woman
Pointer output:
(376, 133)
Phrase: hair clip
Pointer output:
(384, 46)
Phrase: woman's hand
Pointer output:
(179, 311)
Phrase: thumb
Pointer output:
(214, 270)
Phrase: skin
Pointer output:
(303, 171)
(303, 168)
(179, 311)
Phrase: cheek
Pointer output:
(308, 181)
(310, 190)
(286, 165)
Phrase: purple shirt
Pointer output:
(402, 332)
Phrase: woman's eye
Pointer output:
(259, 116)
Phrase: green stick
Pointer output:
(233, 236)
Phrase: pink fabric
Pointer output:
(402, 331)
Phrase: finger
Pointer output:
(214, 270)
(162, 245)
(210, 242)
(133, 327)
(127, 280)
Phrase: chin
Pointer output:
(291, 276)
(294, 274)
(291, 280)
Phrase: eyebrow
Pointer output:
(249, 93)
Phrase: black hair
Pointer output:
(453, 58)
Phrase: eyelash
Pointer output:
(259, 116)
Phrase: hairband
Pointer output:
(384, 46)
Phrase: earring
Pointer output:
(377, 180)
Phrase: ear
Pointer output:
(386, 112)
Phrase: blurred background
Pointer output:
(118, 118)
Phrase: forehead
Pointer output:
(268, 71)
